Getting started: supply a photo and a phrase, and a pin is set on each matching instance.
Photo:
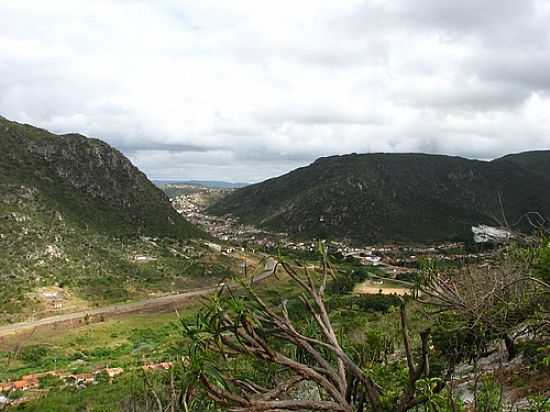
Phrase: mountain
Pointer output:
(90, 182)
(536, 161)
(392, 197)
(78, 220)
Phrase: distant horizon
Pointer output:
(219, 184)
(177, 179)
(203, 180)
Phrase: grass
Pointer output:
(112, 343)
(131, 341)
(40, 248)
(104, 397)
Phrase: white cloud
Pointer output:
(243, 90)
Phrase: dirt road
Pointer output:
(120, 309)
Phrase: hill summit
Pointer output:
(395, 197)
(88, 181)
(78, 220)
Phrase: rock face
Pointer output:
(489, 234)
(392, 197)
(89, 181)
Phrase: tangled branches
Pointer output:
(250, 329)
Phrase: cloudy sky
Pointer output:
(242, 90)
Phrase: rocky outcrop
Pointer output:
(89, 181)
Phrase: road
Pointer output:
(124, 308)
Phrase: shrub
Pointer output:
(377, 302)
(50, 381)
(34, 354)
(542, 263)
(489, 396)
(345, 282)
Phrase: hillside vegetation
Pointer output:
(90, 182)
(79, 221)
(536, 161)
(394, 197)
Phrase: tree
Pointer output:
(234, 332)
(486, 302)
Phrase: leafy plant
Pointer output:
(489, 396)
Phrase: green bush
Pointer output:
(34, 354)
(377, 302)
(50, 381)
(539, 403)
(456, 339)
(489, 396)
(345, 282)
(542, 262)
(536, 353)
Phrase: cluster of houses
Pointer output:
(80, 381)
(55, 299)
(224, 228)
(30, 382)
(395, 257)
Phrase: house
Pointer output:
(84, 379)
(6, 387)
(487, 234)
(158, 366)
(112, 372)
(213, 246)
(139, 258)
(26, 384)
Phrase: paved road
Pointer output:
(123, 308)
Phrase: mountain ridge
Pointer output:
(76, 217)
(383, 197)
(93, 183)
(536, 161)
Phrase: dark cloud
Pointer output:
(528, 70)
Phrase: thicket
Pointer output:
(239, 340)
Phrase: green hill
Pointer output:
(390, 197)
(92, 183)
(536, 161)
(76, 215)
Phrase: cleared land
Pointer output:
(120, 309)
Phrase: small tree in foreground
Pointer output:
(479, 304)
(237, 336)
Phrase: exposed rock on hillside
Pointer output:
(89, 181)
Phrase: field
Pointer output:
(367, 324)
(136, 340)
(50, 265)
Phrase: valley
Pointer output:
(402, 198)
(274, 206)
(118, 293)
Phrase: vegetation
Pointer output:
(79, 219)
(40, 249)
(243, 346)
(401, 197)
(482, 304)
(238, 342)
(90, 183)
(244, 331)
(76, 216)
(123, 343)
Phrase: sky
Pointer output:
(243, 90)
